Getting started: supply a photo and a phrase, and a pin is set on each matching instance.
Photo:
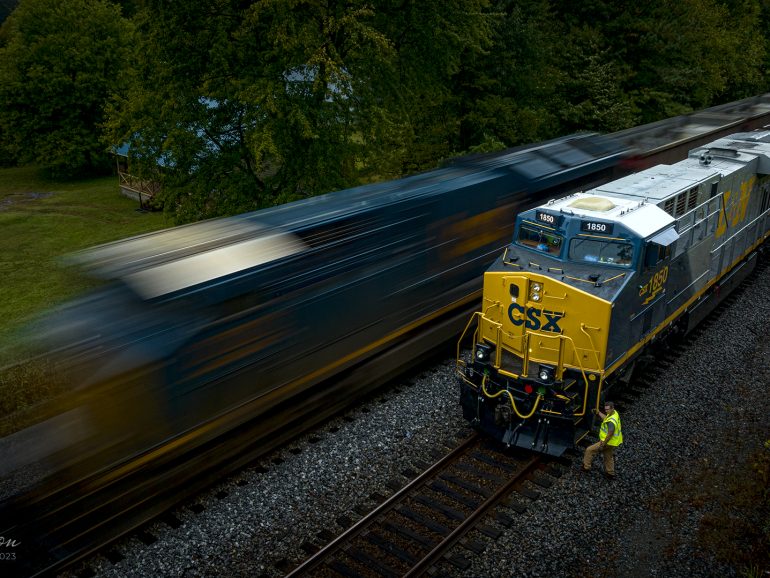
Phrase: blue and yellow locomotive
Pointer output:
(590, 280)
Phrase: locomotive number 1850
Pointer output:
(596, 227)
(546, 218)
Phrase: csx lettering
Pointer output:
(734, 209)
(535, 319)
(654, 285)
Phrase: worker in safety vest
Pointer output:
(610, 437)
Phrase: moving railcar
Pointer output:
(255, 310)
(590, 279)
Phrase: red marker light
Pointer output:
(528, 388)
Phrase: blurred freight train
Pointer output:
(591, 279)
(222, 321)
(288, 314)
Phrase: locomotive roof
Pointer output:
(737, 150)
(719, 158)
(160, 263)
(658, 183)
(544, 165)
(641, 218)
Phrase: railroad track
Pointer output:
(419, 526)
(71, 516)
(433, 513)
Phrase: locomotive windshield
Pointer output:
(598, 251)
(540, 239)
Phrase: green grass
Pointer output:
(41, 221)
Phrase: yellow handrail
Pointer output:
(525, 359)
(562, 339)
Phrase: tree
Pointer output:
(251, 103)
(507, 91)
(59, 61)
(246, 104)
(659, 59)
(432, 42)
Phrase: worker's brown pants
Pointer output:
(607, 454)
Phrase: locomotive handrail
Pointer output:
(579, 279)
(499, 350)
(526, 356)
(598, 365)
(620, 275)
(468, 325)
(739, 231)
(506, 261)
(560, 298)
(461, 361)
(562, 339)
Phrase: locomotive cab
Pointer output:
(547, 331)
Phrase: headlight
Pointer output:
(483, 351)
(535, 291)
(546, 373)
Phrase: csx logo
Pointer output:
(654, 285)
(535, 319)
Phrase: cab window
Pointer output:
(655, 254)
(606, 252)
(540, 240)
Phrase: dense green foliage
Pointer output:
(59, 63)
(240, 104)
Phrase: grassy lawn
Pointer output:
(40, 221)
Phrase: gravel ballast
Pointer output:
(705, 413)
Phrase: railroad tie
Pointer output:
(541, 481)
(500, 480)
(442, 488)
(389, 547)
(426, 543)
(467, 485)
(495, 462)
(450, 513)
(432, 525)
(344, 569)
(371, 562)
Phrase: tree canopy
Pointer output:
(59, 63)
(235, 105)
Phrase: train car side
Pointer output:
(255, 311)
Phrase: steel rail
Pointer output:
(434, 555)
(383, 508)
(339, 544)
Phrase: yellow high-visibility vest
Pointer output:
(617, 434)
